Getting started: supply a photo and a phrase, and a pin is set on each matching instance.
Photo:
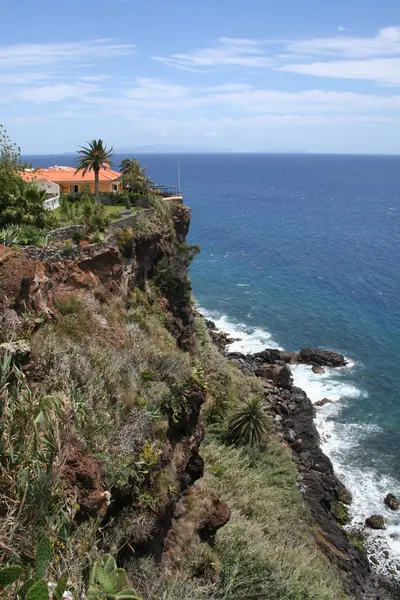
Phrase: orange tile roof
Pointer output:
(67, 174)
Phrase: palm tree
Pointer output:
(129, 166)
(93, 157)
(134, 175)
(249, 424)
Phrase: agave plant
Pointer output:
(97, 237)
(107, 582)
(249, 423)
(10, 235)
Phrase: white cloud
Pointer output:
(22, 78)
(385, 71)
(26, 55)
(375, 58)
(55, 93)
(158, 100)
(229, 52)
(385, 43)
(157, 95)
(49, 93)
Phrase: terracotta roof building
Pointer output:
(70, 181)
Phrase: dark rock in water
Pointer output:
(279, 374)
(272, 355)
(324, 358)
(318, 370)
(323, 402)
(375, 522)
(210, 324)
(220, 338)
(392, 502)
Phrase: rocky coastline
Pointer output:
(326, 496)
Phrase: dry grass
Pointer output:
(106, 376)
(227, 386)
(98, 377)
(267, 549)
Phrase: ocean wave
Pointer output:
(247, 339)
(341, 442)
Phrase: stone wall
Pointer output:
(64, 233)
(130, 219)
(74, 252)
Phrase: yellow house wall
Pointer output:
(105, 186)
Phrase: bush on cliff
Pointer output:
(84, 211)
(20, 202)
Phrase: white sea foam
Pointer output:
(248, 339)
(339, 440)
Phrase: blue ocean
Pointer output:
(303, 250)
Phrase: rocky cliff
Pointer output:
(115, 408)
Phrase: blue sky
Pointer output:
(251, 75)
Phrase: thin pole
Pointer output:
(179, 177)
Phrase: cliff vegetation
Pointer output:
(116, 413)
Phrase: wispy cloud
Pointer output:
(228, 52)
(385, 71)
(22, 77)
(385, 43)
(26, 55)
(49, 93)
(374, 58)
(158, 98)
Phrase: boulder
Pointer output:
(273, 355)
(323, 358)
(375, 522)
(323, 402)
(279, 374)
(392, 502)
(318, 370)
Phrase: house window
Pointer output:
(115, 187)
(74, 189)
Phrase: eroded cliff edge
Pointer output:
(122, 396)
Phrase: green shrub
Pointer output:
(341, 512)
(83, 210)
(125, 241)
(69, 306)
(78, 235)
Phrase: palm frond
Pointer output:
(94, 157)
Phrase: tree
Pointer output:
(94, 157)
(249, 424)
(21, 203)
(134, 176)
(10, 167)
